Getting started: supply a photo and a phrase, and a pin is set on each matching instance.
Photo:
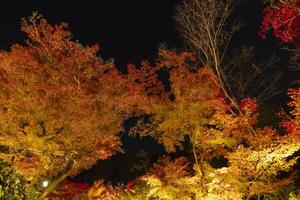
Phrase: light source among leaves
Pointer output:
(45, 183)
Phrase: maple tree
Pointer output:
(255, 158)
(284, 18)
(194, 108)
(61, 105)
(202, 115)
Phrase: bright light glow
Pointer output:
(45, 184)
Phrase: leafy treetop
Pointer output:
(61, 106)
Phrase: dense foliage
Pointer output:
(12, 185)
(62, 108)
(284, 18)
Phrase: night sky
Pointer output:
(126, 30)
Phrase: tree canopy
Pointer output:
(62, 108)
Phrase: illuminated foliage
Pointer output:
(70, 190)
(12, 185)
(198, 111)
(258, 168)
(193, 107)
(253, 170)
(108, 192)
(295, 103)
(61, 107)
(169, 179)
(291, 123)
(284, 19)
(184, 185)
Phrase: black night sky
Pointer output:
(128, 31)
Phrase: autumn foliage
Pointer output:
(198, 112)
(62, 107)
(284, 19)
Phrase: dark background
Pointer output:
(126, 30)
